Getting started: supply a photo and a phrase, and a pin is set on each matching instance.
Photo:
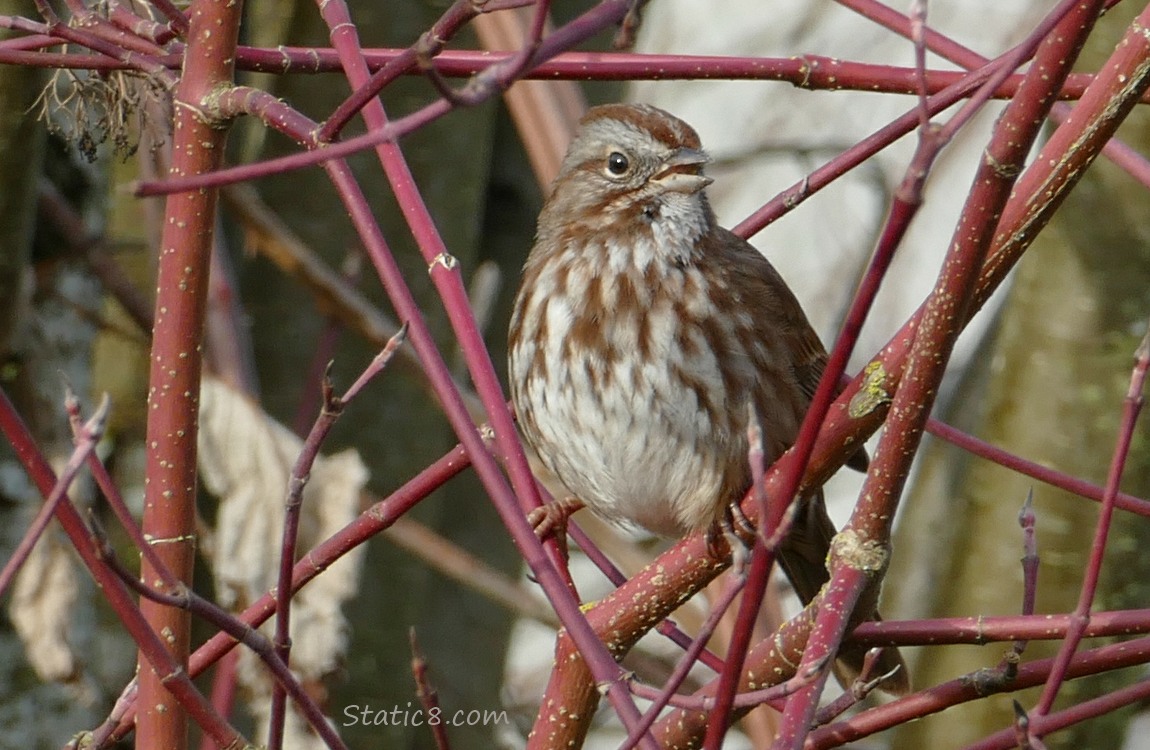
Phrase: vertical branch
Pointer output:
(174, 378)
(331, 410)
(152, 647)
(948, 307)
(545, 561)
(1081, 618)
(944, 316)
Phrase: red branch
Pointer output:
(174, 379)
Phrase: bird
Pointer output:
(644, 335)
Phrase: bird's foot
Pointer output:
(550, 520)
(732, 535)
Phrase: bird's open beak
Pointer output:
(681, 172)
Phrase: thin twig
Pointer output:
(1034, 469)
(428, 697)
(184, 598)
(1132, 405)
(89, 435)
(969, 687)
(731, 589)
(333, 407)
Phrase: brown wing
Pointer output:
(808, 356)
(802, 553)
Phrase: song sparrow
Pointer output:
(642, 331)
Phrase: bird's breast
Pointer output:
(632, 392)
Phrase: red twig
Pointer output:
(86, 440)
(731, 589)
(547, 565)
(103, 36)
(1131, 695)
(156, 656)
(935, 335)
(372, 521)
(428, 697)
(1022, 734)
(1136, 165)
(902, 211)
(184, 598)
(1030, 560)
(493, 80)
(1081, 617)
(1061, 35)
(984, 629)
(769, 696)
(616, 577)
(476, 90)
(430, 43)
(174, 377)
(808, 71)
(1036, 195)
(1034, 469)
(907, 199)
(333, 407)
(973, 687)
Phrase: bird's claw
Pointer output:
(550, 520)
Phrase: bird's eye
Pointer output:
(617, 164)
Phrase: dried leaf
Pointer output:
(246, 459)
(41, 610)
